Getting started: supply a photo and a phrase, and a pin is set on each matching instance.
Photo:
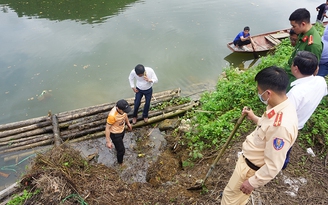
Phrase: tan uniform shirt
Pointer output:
(116, 120)
(267, 145)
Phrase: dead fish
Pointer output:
(44, 95)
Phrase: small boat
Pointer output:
(264, 42)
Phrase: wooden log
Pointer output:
(88, 137)
(68, 121)
(102, 121)
(99, 131)
(165, 115)
(9, 190)
(29, 146)
(24, 129)
(107, 106)
(67, 117)
(84, 132)
(141, 123)
(7, 143)
(44, 130)
(23, 123)
(100, 109)
(27, 142)
(76, 123)
(56, 131)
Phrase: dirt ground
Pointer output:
(65, 177)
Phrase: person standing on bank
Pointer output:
(322, 9)
(323, 64)
(145, 77)
(114, 131)
(308, 38)
(243, 38)
(309, 89)
(264, 150)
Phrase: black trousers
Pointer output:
(241, 43)
(117, 139)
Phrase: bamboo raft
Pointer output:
(77, 125)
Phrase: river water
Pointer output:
(81, 52)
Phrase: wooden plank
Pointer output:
(269, 38)
(280, 35)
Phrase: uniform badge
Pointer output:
(310, 40)
(278, 143)
(305, 38)
(277, 121)
(271, 114)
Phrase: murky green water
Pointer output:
(82, 52)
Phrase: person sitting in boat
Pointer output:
(293, 37)
(243, 38)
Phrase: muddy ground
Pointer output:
(64, 177)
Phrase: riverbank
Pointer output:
(187, 156)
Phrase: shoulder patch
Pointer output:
(271, 114)
(278, 143)
(277, 121)
(305, 38)
(310, 41)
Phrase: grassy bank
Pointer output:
(236, 89)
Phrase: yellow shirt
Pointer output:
(267, 145)
(116, 120)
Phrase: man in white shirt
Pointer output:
(307, 90)
(145, 77)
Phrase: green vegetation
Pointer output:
(237, 89)
(21, 199)
(173, 102)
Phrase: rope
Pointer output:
(79, 199)
(8, 168)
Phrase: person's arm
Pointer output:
(107, 133)
(127, 122)
(131, 81)
(151, 76)
(244, 39)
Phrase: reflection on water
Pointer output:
(91, 11)
(242, 60)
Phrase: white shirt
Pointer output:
(141, 83)
(306, 94)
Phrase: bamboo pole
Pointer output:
(24, 129)
(108, 106)
(27, 142)
(88, 137)
(17, 140)
(63, 117)
(56, 131)
(102, 121)
(28, 136)
(82, 133)
(165, 115)
(76, 123)
(9, 190)
(29, 146)
(43, 130)
(23, 123)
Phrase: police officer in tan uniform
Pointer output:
(264, 150)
